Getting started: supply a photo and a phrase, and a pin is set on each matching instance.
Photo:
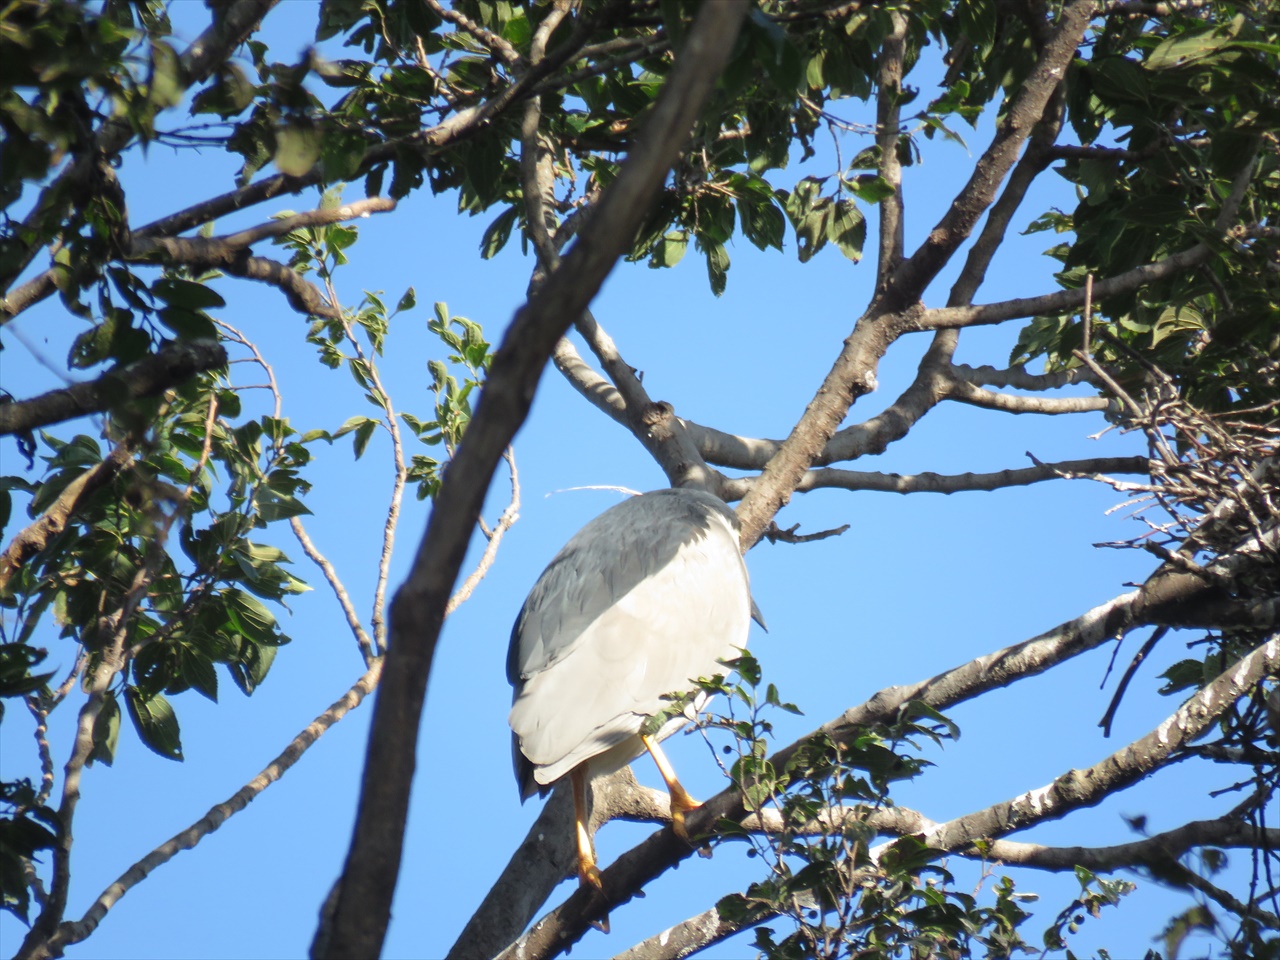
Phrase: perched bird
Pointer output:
(644, 600)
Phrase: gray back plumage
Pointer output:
(614, 554)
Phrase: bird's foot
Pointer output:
(681, 803)
(589, 876)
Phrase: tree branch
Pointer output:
(1161, 851)
(854, 372)
(71, 932)
(653, 424)
(1020, 378)
(231, 26)
(1010, 403)
(495, 44)
(53, 521)
(1025, 111)
(832, 478)
(176, 363)
(362, 899)
(1066, 301)
(427, 143)
(1073, 790)
(1163, 595)
(1061, 301)
(888, 132)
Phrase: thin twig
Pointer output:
(509, 516)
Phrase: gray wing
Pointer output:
(604, 561)
(647, 596)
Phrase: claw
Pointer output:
(589, 876)
(681, 803)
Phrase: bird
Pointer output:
(646, 598)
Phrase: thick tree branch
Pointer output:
(362, 904)
(1025, 111)
(176, 363)
(546, 857)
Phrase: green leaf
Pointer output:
(106, 731)
(497, 233)
(298, 147)
(198, 670)
(362, 435)
(155, 721)
(273, 506)
(250, 617)
(717, 266)
(1183, 49)
(848, 229)
(16, 661)
(670, 250)
(187, 293)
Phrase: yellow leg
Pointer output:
(588, 872)
(681, 802)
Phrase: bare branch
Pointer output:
(509, 516)
(1020, 378)
(39, 709)
(1011, 403)
(217, 247)
(830, 477)
(362, 901)
(363, 640)
(1077, 789)
(176, 363)
(71, 932)
(400, 473)
(1025, 171)
(776, 534)
(1062, 301)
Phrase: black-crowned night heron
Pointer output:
(644, 600)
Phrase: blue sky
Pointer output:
(917, 585)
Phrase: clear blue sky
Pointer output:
(917, 585)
